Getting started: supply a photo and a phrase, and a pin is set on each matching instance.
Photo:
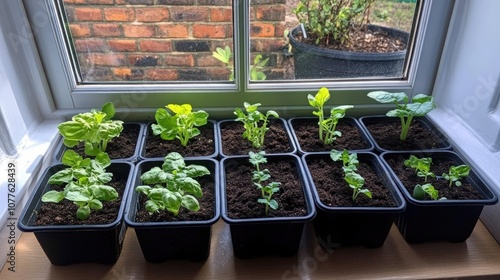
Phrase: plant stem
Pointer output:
(405, 126)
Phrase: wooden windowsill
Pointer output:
(478, 258)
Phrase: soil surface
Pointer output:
(201, 145)
(206, 212)
(335, 192)
(64, 212)
(386, 135)
(439, 166)
(307, 133)
(276, 139)
(120, 147)
(242, 194)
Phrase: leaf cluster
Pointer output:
(85, 181)
(179, 125)
(422, 166)
(256, 69)
(173, 185)
(456, 173)
(350, 166)
(254, 123)
(94, 128)
(332, 20)
(259, 177)
(420, 105)
(327, 126)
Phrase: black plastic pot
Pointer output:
(149, 134)
(440, 143)
(442, 220)
(313, 121)
(253, 237)
(162, 241)
(68, 244)
(292, 148)
(312, 62)
(60, 149)
(366, 226)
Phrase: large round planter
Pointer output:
(312, 62)
(450, 220)
(69, 244)
(173, 240)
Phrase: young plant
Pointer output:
(85, 181)
(350, 166)
(173, 185)
(256, 70)
(181, 125)
(254, 122)
(422, 166)
(259, 177)
(94, 128)
(456, 173)
(420, 191)
(327, 132)
(420, 106)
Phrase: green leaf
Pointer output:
(190, 203)
(194, 171)
(103, 159)
(420, 109)
(109, 109)
(173, 161)
(320, 98)
(273, 204)
(143, 189)
(73, 130)
(151, 206)
(62, 176)
(77, 196)
(200, 118)
(191, 186)
(53, 196)
(95, 204)
(71, 158)
(388, 97)
(152, 176)
(83, 212)
(103, 192)
(172, 202)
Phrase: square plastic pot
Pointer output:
(254, 237)
(313, 121)
(355, 226)
(441, 220)
(162, 241)
(441, 140)
(69, 244)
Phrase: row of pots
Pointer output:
(418, 221)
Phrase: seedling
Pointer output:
(173, 185)
(85, 181)
(456, 173)
(259, 177)
(181, 125)
(420, 191)
(254, 123)
(327, 132)
(422, 166)
(420, 106)
(94, 128)
(256, 70)
(350, 165)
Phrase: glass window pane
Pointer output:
(148, 40)
(312, 39)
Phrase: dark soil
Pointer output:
(242, 194)
(409, 179)
(201, 145)
(121, 147)
(276, 139)
(206, 212)
(362, 40)
(307, 133)
(64, 212)
(335, 192)
(420, 137)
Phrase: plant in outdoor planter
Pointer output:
(95, 129)
(266, 215)
(85, 183)
(173, 207)
(324, 47)
(344, 217)
(444, 208)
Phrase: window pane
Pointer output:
(148, 40)
(329, 49)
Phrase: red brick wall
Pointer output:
(168, 39)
